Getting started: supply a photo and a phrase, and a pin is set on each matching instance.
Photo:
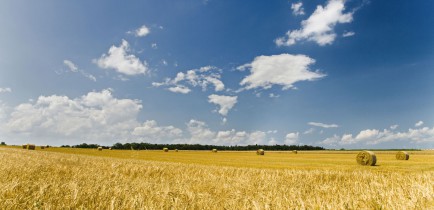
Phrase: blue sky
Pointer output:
(337, 74)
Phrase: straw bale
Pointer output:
(260, 152)
(366, 158)
(402, 155)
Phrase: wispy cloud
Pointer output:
(348, 34)
(323, 125)
(5, 90)
(73, 68)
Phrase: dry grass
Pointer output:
(50, 180)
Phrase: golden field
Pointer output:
(63, 178)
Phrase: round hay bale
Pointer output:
(260, 152)
(402, 155)
(31, 147)
(165, 149)
(42, 147)
(366, 158)
(214, 150)
(176, 150)
(24, 146)
(294, 151)
(99, 148)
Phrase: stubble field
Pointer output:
(58, 178)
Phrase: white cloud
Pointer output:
(142, 31)
(323, 125)
(374, 136)
(319, 27)
(225, 102)
(297, 8)
(97, 117)
(257, 137)
(5, 90)
(179, 89)
(291, 138)
(122, 62)
(348, 34)
(89, 76)
(418, 124)
(202, 77)
(199, 132)
(331, 141)
(3, 113)
(283, 69)
(152, 133)
(272, 95)
(367, 134)
(154, 46)
(230, 137)
(272, 131)
(309, 131)
(393, 127)
(72, 67)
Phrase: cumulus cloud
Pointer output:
(142, 31)
(118, 59)
(319, 27)
(418, 124)
(225, 102)
(283, 69)
(5, 90)
(201, 133)
(323, 125)
(201, 77)
(375, 136)
(297, 8)
(96, 117)
(73, 68)
(291, 138)
(149, 131)
(393, 127)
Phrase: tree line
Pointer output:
(149, 146)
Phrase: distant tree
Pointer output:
(3, 143)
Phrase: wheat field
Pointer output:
(59, 178)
